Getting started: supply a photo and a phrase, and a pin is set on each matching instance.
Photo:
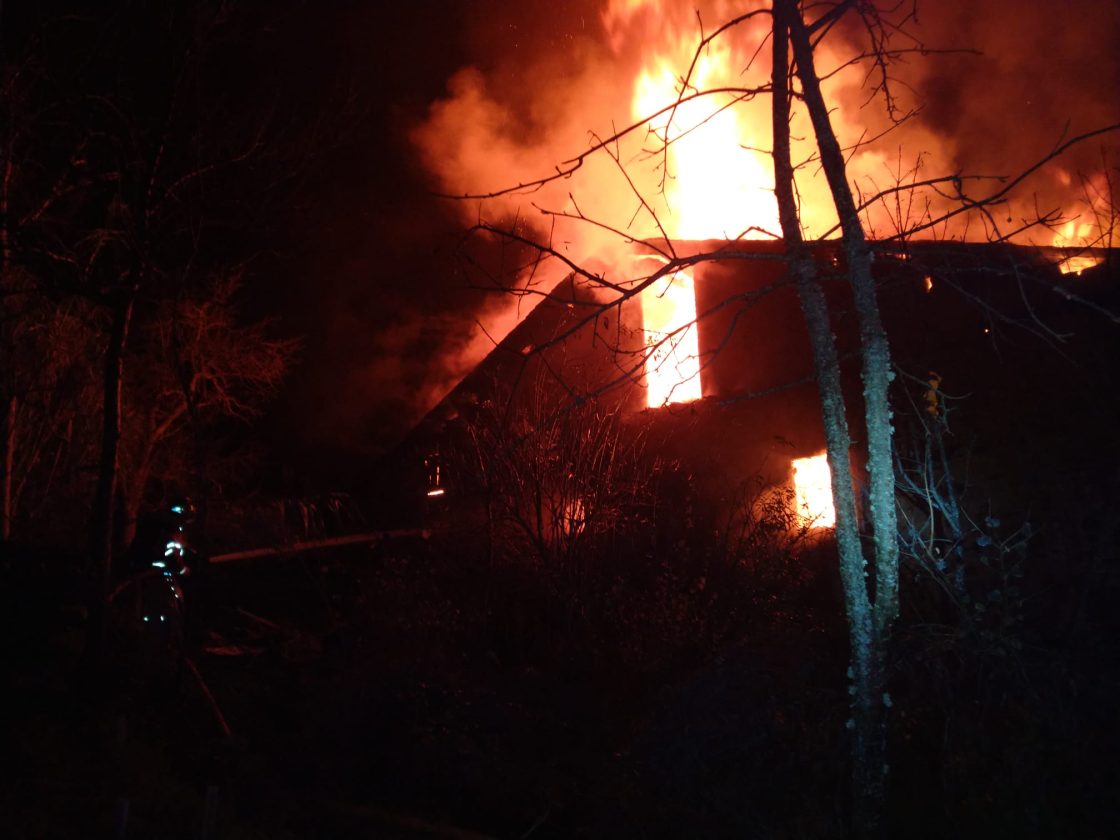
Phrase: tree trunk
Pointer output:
(103, 506)
(874, 347)
(868, 620)
(8, 429)
(7, 465)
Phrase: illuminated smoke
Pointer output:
(573, 73)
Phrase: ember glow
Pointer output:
(812, 485)
(1073, 234)
(573, 517)
(1075, 265)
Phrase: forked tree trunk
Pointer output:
(874, 348)
(869, 620)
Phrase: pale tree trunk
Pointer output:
(869, 619)
(874, 348)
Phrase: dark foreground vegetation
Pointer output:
(637, 667)
(417, 688)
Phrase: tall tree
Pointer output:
(139, 179)
(194, 363)
(870, 614)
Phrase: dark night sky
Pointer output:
(352, 253)
(368, 271)
(360, 259)
(375, 285)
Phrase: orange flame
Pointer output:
(1094, 225)
(716, 185)
(1076, 234)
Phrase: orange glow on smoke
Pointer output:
(812, 486)
(702, 170)
(669, 324)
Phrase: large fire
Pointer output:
(697, 164)
(713, 182)
(711, 177)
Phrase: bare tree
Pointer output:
(133, 185)
(555, 478)
(194, 363)
(49, 381)
(46, 341)
(869, 616)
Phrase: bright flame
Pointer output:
(812, 486)
(716, 185)
(669, 324)
(1073, 234)
(1075, 265)
(706, 171)
(1094, 224)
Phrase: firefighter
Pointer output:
(162, 552)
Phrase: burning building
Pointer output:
(715, 375)
(658, 266)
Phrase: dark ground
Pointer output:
(410, 691)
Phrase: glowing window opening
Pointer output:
(812, 487)
(669, 326)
